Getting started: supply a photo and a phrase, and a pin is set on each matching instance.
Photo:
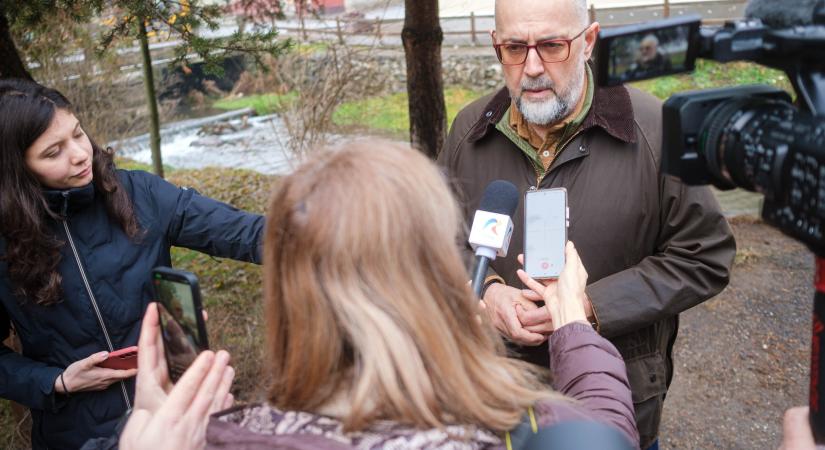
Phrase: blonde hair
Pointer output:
(366, 295)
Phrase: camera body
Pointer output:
(751, 137)
(688, 119)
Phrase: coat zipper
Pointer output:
(94, 305)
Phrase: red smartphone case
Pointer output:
(123, 359)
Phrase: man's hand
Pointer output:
(536, 320)
(501, 303)
(564, 299)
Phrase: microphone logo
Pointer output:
(491, 226)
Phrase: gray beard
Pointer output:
(553, 110)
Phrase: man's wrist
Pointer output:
(590, 312)
(489, 281)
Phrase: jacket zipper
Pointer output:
(94, 305)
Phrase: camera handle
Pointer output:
(810, 85)
(817, 388)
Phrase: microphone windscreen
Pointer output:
(782, 14)
(500, 197)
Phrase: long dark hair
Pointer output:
(32, 251)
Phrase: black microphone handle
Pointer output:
(479, 274)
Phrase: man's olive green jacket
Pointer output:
(652, 246)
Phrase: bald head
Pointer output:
(571, 10)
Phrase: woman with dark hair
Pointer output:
(78, 239)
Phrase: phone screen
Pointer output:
(545, 232)
(181, 318)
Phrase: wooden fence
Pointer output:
(469, 30)
(472, 26)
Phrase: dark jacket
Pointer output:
(105, 272)
(652, 246)
(586, 367)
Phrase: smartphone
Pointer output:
(183, 329)
(123, 359)
(545, 232)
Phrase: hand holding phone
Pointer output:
(183, 329)
(123, 359)
(545, 232)
(87, 374)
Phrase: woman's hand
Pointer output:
(85, 375)
(174, 417)
(564, 299)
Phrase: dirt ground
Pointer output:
(742, 357)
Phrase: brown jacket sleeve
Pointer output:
(695, 249)
(445, 161)
(588, 368)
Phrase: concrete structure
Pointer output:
(453, 8)
(332, 6)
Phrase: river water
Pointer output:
(234, 140)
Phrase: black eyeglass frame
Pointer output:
(566, 42)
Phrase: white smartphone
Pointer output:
(545, 232)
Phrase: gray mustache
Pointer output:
(532, 84)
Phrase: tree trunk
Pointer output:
(422, 37)
(151, 99)
(11, 65)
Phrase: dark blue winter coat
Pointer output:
(104, 270)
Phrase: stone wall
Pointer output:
(385, 72)
(481, 73)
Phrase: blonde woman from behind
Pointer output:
(373, 336)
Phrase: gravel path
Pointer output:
(742, 357)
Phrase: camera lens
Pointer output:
(742, 140)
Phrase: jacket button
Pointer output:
(581, 149)
(653, 378)
(489, 114)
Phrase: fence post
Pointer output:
(338, 30)
(667, 8)
(592, 12)
(378, 29)
(473, 28)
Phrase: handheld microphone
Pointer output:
(492, 228)
(782, 14)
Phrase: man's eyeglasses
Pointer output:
(549, 51)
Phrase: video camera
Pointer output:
(752, 137)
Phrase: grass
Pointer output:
(262, 104)
(7, 427)
(231, 290)
(386, 114)
(709, 74)
(390, 114)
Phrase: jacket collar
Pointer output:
(611, 111)
(62, 202)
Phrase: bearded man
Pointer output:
(652, 246)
